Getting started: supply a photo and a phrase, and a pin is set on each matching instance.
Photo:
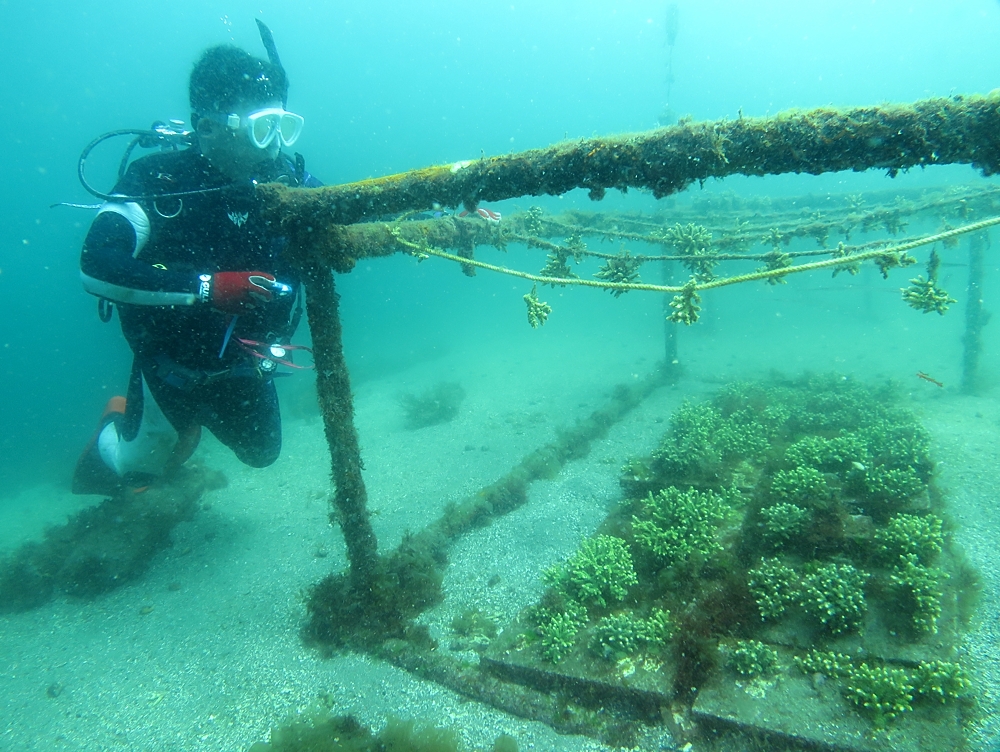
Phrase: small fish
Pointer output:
(488, 214)
(858, 466)
(925, 377)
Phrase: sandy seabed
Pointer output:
(204, 652)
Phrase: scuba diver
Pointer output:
(206, 301)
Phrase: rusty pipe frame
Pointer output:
(964, 130)
(952, 130)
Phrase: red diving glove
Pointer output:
(235, 292)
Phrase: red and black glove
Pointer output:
(235, 292)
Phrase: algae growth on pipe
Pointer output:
(952, 130)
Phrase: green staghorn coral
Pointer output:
(882, 692)
(701, 437)
(782, 522)
(743, 395)
(751, 658)
(833, 595)
(811, 459)
(879, 692)
(919, 589)
(775, 417)
(688, 444)
(694, 242)
(774, 261)
(558, 631)
(836, 405)
(620, 269)
(576, 246)
(924, 294)
(533, 219)
(538, 310)
(905, 534)
(896, 441)
(741, 435)
(621, 635)
(678, 526)
(829, 663)
(557, 268)
(689, 240)
(774, 586)
(800, 485)
(598, 574)
(884, 488)
(941, 681)
(617, 636)
(658, 628)
(685, 305)
(827, 455)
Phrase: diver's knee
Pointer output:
(261, 461)
(260, 457)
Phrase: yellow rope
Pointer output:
(546, 245)
(767, 274)
(844, 260)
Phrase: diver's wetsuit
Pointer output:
(146, 255)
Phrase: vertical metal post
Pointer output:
(333, 387)
(975, 317)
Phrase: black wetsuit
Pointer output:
(146, 255)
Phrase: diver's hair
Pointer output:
(227, 78)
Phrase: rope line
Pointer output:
(425, 250)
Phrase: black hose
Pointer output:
(143, 138)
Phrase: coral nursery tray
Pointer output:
(781, 565)
(636, 689)
(880, 635)
(811, 712)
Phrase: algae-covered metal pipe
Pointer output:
(333, 387)
(975, 317)
(952, 130)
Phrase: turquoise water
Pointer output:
(387, 87)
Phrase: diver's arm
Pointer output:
(109, 267)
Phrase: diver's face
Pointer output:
(230, 148)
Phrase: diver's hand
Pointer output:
(235, 292)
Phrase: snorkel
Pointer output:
(267, 39)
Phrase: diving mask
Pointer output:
(263, 126)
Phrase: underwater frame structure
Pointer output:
(798, 558)
(379, 594)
